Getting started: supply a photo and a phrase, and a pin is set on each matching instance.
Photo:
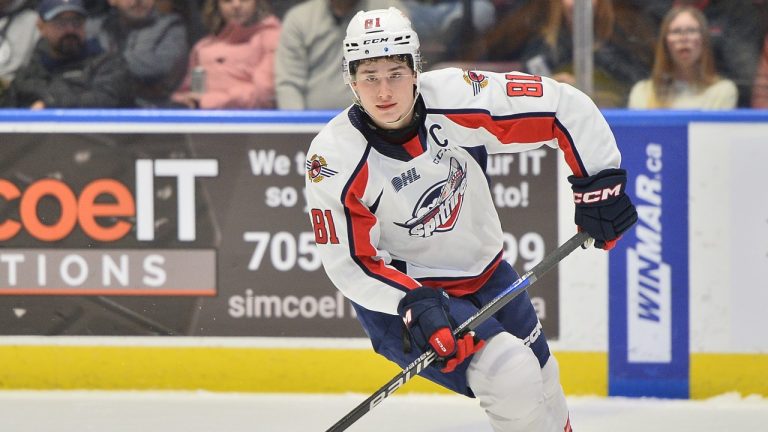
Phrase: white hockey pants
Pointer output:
(516, 394)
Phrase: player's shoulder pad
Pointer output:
(436, 82)
(338, 147)
(454, 88)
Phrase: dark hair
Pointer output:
(401, 58)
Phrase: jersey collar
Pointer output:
(402, 144)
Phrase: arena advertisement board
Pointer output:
(729, 244)
(201, 234)
(648, 269)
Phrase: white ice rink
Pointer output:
(208, 412)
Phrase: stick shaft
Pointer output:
(424, 360)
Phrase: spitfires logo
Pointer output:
(317, 169)
(478, 81)
(438, 209)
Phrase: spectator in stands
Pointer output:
(18, 36)
(154, 46)
(622, 52)
(308, 55)
(442, 21)
(65, 71)
(236, 61)
(734, 31)
(760, 88)
(684, 74)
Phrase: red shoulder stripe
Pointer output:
(361, 222)
(524, 129)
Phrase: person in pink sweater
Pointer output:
(233, 67)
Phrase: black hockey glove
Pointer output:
(425, 312)
(603, 209)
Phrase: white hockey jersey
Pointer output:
(388, 218)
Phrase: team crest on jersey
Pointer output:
(317, 169)
(439, 208)
(478, 81)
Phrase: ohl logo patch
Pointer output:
(439, 208)
(317, 169)
(478, 81)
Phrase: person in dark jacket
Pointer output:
(65, 71)
(153, 44)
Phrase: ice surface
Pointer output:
(80, 411)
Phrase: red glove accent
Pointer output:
(443, 342)
(465, 347)
(611, 243)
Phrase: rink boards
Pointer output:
(681, 318)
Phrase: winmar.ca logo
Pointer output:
(438, 209)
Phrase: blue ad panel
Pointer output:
(648, 269)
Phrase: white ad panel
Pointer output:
(729, 237)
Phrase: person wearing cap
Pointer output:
(406, 226)
(65, 70)
(154, 45)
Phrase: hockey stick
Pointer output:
(470, 324)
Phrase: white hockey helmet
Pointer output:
(380, 33)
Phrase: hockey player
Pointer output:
(405, 223)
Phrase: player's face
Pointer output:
(240, 12)
(386, 91)
(684, 40)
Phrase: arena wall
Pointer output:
(676, 310)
